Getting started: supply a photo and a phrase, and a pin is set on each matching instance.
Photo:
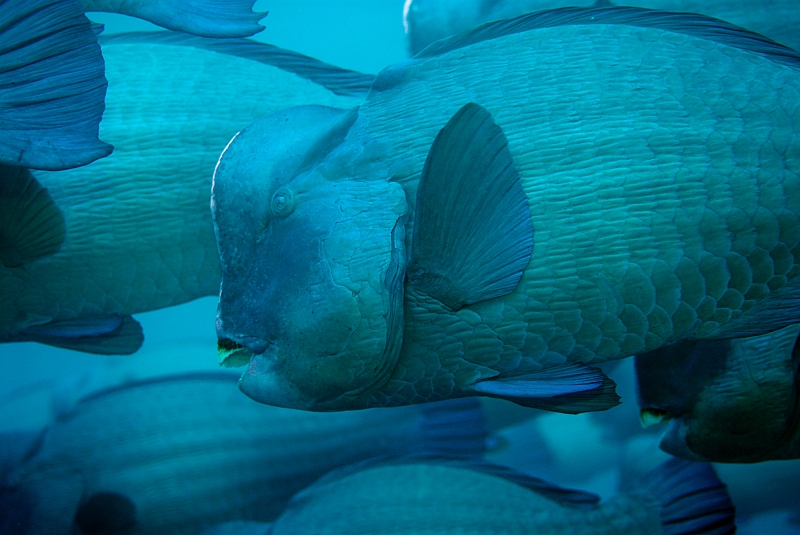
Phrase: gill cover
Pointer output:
(312, 266)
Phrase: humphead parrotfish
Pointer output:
(179, 454)
(208, 18)
(725, 400)
(438, 497)
(82, 250)
(52, 86)
(427, 21)
(510, 207)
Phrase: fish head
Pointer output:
(313, 263)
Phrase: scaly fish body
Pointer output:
(661, 171)
(430, 20)
(139, 234)
(178, 454)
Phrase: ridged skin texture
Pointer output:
(139, 233)
(663, 176)
(420, 498)
(192, 452)
(430, 20)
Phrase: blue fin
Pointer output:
(103, 335)
(454, 427)
(686, 23)
(337, 80)
(52, 86)
(98, 28)
(693, 499)
(208, 18)
(571, 389)
(31, 225)
(473, 235)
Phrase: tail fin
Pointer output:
(693, 499)
(454, 428)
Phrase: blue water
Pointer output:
(38, 381)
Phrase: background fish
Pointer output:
(436, 498)
(137, 226)
(214, 18)
(725, 400)
(178, 454)
(519, 201)
(427, 21)
(52, 87)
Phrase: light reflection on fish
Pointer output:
(515, 204)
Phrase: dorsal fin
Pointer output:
(339, 81)
(692, 24)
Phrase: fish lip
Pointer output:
(232, 354)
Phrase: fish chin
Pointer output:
(263, 382)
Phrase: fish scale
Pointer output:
(646, 276)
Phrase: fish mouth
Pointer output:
(650, 417)
(231, 354)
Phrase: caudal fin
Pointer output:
(693, 499)
(52, 86)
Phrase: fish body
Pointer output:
(138, 226)
(725, 400)
(430, 20)
(595, 190)
(429, 498)
(178, 454)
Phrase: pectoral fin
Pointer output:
(570, 389)
(52, 86)
(473, 235)
(103, 335)
(31, 225)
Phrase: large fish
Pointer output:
(427, 21)
(136, 233)
(679, 497)
(726, 400)
(178, 454)
(51, 87)
(517, 202)
(209, 18)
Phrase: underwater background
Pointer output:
(596, 452)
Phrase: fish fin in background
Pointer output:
(454, 428)
(208, 18)
(570, 389)
(52, 85)
(473, 235)
(102, 335)
(693, 499)
(339, 81)
(31, 225)
(98, 28)
(239, 527)
(692, 24)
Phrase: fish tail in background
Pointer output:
(693, 499)
(52, 84)
(31, 225)
(453, 428)
(207, 18)
(102, 335)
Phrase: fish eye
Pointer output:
(106, 513)
(282, 203)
